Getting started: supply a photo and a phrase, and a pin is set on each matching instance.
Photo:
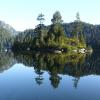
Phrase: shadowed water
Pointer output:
(43, 76)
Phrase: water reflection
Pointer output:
(56, 65)
(6, 61)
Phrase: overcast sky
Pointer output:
(22, 14)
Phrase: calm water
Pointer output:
(35, 76)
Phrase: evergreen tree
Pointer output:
(41, 31)
(78, 30)
(57, 18)
(56, 31)
(41, 18)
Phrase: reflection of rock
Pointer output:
(6, 61)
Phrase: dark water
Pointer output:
(36, 76)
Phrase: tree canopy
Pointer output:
(57, 18)
(52, 37)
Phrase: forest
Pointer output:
(52, 37)
(57, 36)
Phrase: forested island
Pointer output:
(52, 38)
(56, 37)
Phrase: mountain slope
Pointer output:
(91, 33)
(7, 34)
(7, 27)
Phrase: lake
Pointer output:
(43, 76)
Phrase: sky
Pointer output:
(22, 14)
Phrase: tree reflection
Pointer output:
(6, 60)
(76, 80)
(39, 78)
(75, 65)
(55, 80)
(54, 77)
(54, 64)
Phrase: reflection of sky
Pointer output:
(18, 83)
(22, 14)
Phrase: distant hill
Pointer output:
(90, 31)
(7, 34)
(8, 28)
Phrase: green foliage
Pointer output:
(57, 19)
(40, 18)
(51, 37)
(54, 64)
(56, 35)
(77, 31)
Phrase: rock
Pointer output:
(81, 50)
(74, 50)
(57, 51)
